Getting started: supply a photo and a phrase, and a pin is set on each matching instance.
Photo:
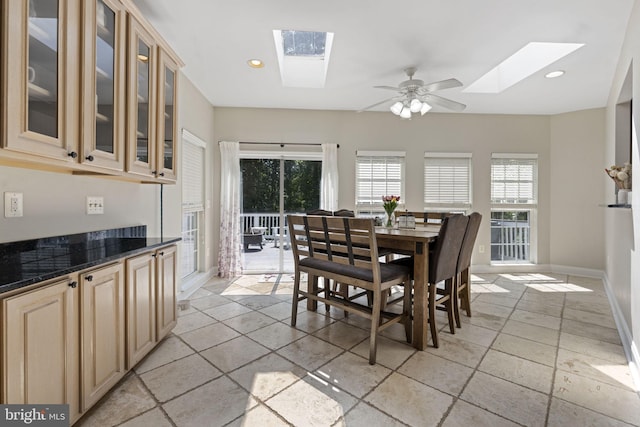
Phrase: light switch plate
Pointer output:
(12, 205)
(95, 205)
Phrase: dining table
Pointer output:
(414, 242)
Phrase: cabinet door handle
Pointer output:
(72, 154)
(161, 174)
(153, 255)
(73, 284)
(154, 173)
(89, 278)
(161, 253)
(90, 158)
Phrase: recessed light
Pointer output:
(255, 63)
(554, 74)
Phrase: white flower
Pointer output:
(622, 176)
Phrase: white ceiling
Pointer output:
(376, 39)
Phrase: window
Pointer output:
(447, 181)
(378, 173)
(514, 198)
(193, 156)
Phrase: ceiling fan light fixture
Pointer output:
(554, 74)
(396, 108)
(425, 108)
(415, 105)
(405, 113)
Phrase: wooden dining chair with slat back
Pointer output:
(463, 275)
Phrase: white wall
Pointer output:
(479, 134)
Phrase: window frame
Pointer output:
(193, 204)
(443, 205)
(373, 206)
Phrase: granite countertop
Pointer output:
(31, 261)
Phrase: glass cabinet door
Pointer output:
(167, 90)
(103, 108)
(41, 90)
(141, 133)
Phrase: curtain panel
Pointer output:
(229, 256)
(329, 178)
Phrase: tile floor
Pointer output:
(540, 350)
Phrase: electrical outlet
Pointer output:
(12, 205)
(95, 205)
(481, 249)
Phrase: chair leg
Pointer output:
(327, 291)
(312, 288)
(466, 276)
(432, 314)
(294, 305)
(456, 300)
(406, 310)
(375, 321)
(450, 302)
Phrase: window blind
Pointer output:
(514, 180)
(447, 179)
(192, 176)
(378, 175)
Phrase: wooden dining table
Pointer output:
(414, 242)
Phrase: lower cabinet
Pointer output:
(40, 346)
(72, 339)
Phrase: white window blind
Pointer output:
(192, 175)
(514, 179)
(378, 174)
(447, 179)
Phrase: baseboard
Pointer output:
(630, 347)
(195, 282)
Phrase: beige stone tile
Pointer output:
(617, 375)
(352, 373)
(191, 322)
(531, 332)
(517, 370)
(170, 349)
(311, 321)
(178, 377)
(527, 349)
(234, 353)
(509, 400)
(303, 405)
(188, 310)
(310, 352)
(484, 320)
(249, 322)
(209, 336)
(457, 350)
(200, 293)
(268, 375)
(258, 416)
(390, 353)
(365, 415)
(540, 307)
(342, 334)
(591, 303)
(213, 404)
(603, 350)
(235, 292)
(257, 302)
(437, 372)
(492, 309)
(465, 414)
(537, 319)
(227, 311)
(276, 335)
(280, 311)
(212, 300)
(562, 413)
(331, 388)
(126, 400)
(507, 300)
(597, 396)
(475, 334)
(590, 330)
(549, 298)
(589, 317)
(155, 418)
(410, 401)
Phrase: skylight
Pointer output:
(531, 58)
(303, 57)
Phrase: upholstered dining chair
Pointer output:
(463, 276)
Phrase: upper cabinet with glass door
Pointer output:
(40, 78)
(166, 133)
(103, 84)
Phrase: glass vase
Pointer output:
(389, 223)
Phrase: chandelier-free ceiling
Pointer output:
(416, 97)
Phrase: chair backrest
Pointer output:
(444, 259)
(344, 212)
(340, 240)
(320, 212)
(464, 261)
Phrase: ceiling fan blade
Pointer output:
(393, 98)
(443, 84)
(443, 102)
(397, 89)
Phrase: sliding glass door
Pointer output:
(272, 188)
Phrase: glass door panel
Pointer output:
(168, 143)
(42, 68)
(143, 112)
(105, 73)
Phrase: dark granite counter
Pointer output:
(31, 261)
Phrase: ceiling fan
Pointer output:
(414, 96)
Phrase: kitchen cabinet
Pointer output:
(151, 301)
(40, 99)
(103, 84)
(103, 331)
(40, 351)
(166, 124)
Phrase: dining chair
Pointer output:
(320, 212)
(463, 275)
(345, 250)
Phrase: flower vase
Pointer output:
(622, 196)
(389, 223)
